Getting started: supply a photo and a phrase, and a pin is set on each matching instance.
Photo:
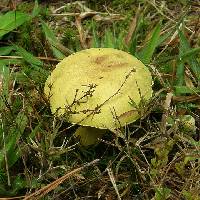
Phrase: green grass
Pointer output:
(154, 158)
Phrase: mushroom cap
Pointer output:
(94, 87)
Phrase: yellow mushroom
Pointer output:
(94, 87)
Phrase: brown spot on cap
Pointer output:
(116, 65)
(127, 114)
(100, 59)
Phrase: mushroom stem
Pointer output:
(89, 135)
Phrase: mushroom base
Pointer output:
(89, 135)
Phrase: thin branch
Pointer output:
(43, 191)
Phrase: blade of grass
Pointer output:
(164, 37)
(4, 152)
(191, 59)
(12, 138)
(35, 71)
(145, 55)
(4, 81)
(58, 49)
(191, 52)
(6, 50)
(119, 41)
(28, 57)
(133, 43)
(95, 40)
(11, 20)
(133, 30)
(36, 9)
(180, 70)
(108, 40)
(186, 90)
(10, 61)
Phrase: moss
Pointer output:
(70, 39)
(26, 7)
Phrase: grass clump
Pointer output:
(153, 158)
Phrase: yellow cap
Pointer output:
(94, 87)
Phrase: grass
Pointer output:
(157, 157)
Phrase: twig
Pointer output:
(20, 57)
(166, 111)
(81, 32)
(112, 179)
(62, 48)
(12, 198)
(43, 191)
(132, 27)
